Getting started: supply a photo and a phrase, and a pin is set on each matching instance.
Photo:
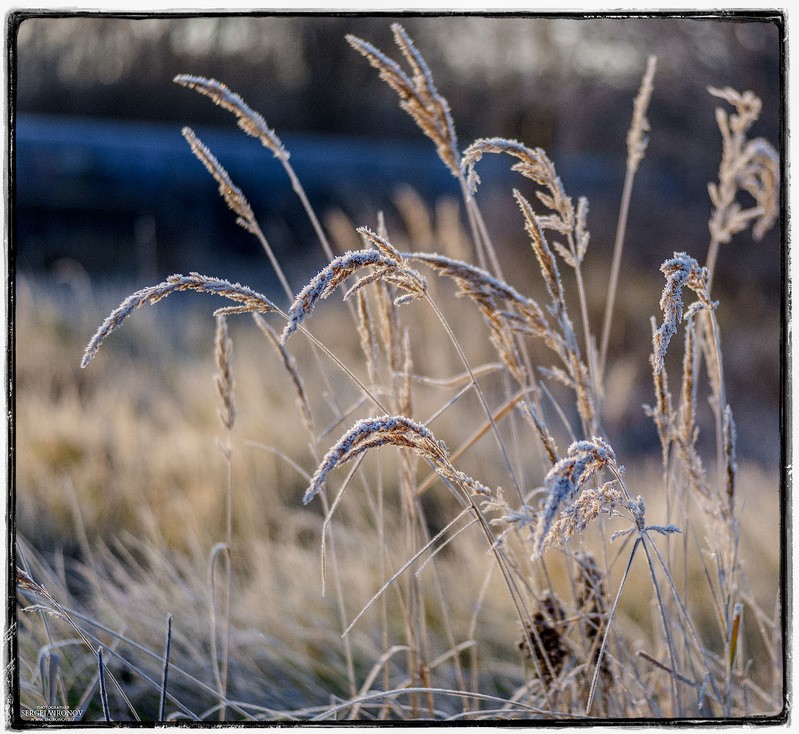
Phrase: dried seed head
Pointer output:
(504, 309)
(249, 300)
(592, 603)
(384, 267)
(544, 638)
(731, 467)
(752, 166)
(680, 271)
(366, 334)
(405, 397)
(533, 164)
(386, 430)
(224, 374)
(542, 431)
(248, 119)
(417, 92)
(591, 598)
(637, 138)
(546, 260)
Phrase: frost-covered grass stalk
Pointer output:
(564, 537)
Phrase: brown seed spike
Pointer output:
(248, 119)
(418, 94)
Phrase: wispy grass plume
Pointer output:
(386, 430)
(417, 92)
(249, 120)
(383, 267)
(248, 300)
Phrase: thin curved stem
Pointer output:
(306, 204)
(601, 653)
(478, 390)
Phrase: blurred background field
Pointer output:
(118, 475)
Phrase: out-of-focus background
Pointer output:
(104, 177)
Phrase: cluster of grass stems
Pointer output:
(534, 478)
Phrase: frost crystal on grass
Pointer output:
(680, 271)
(396, 430)
(386, 267)
(566, 478)
(249, 301)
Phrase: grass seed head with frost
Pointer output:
(231, 193)
(575, 517)
(249, 301)
(583, 460)
(250, 121)
(418, 94)
(662, 413)
(680, 271)
(397, 430)
(385, 266)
